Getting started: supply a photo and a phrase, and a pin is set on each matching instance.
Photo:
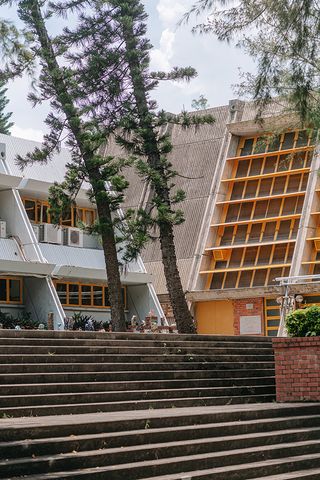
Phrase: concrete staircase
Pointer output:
(165, 407)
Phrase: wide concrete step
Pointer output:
(215, 474)
(53, 367)
(153, 342)
(190, 383)
(133, 350)
(116, 406)
(129, 336)
(312, 474)
(291, 427)
(156, 451)
(105, 376)
(240, 464)
(18, 429)
(114, 395)
(123, 358)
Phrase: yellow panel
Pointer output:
(281, 173)
(271, 154)
(215, 318)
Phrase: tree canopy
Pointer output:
(5, 124)
(283, 38)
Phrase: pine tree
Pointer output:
(80, 113)
(152, 149)
(106, 77)
(283, 38)
(5, 124)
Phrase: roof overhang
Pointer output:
(99, 275)
(25, 268)
(254, 292)
(9, 181)
(42, 188)
(269, 124)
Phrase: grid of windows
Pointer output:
(10, 290)
(76, 294)
(259, 218)
(38, 212)
(272, 315)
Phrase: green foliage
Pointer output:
(200, 104)
(80, 321)
(24, 320)
(5, 124)
(304, 322)
(283, 39)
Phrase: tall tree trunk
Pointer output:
(74, 121)
(178, 301)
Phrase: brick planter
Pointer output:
(297, 362)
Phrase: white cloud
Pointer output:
(160, 57)
(27, 133)
(170, 11)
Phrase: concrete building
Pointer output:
(47, 269)
(252, 215)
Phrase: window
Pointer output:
(38, 212)
(10, 290)
(73, 294)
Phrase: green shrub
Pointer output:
(304, 323)
(24, 320)
(81, 319)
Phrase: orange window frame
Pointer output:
(74, 215)
(92, 285)
(8, 301)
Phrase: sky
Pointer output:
(217, 65)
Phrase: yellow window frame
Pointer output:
(8, 301)
(92, 285)
(74, 212)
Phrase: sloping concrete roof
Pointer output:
(50, 172)
(194, 157)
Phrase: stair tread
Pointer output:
(29, 422)
(135, 448)
(86, 394)
(224, 469)
(142, 382)
(204, 426)
(296, 475)
(174, 399)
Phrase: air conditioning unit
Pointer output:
(49, 233)
(3, 229)
(73, 237)
(221, 255)
(36, 229)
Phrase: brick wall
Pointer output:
(297, 369)
(247, 307)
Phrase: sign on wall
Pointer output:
(250, 325)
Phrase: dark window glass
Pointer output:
(274, 144)
(247, 147)
(217, 280)
(86, 295)
(288, 141)
(30, 207)
(14, 290)
(242, 170)
(62, 292)
(73, 294)
(98, 296)
(302, 140)
(3, 290)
